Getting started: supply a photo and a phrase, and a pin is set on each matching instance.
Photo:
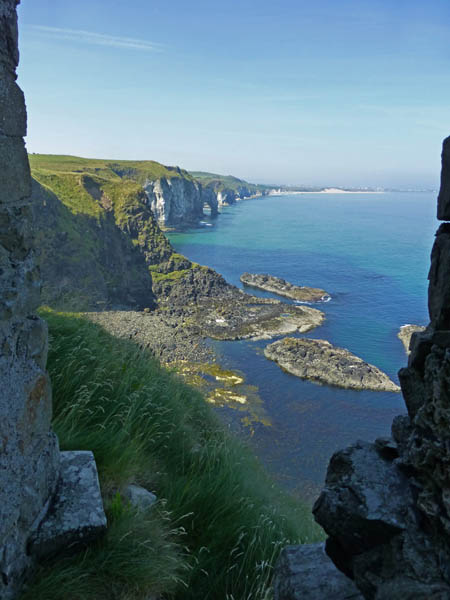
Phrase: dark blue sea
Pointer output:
(371, 253)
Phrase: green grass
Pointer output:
(219, 522)
(137, 170)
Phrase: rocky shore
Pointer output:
(279, 286)
(405, 334)
(320, 362)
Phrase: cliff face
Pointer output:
(88, 261)
(176, 201)
(386, 506)
(98, 243)
(226, 189)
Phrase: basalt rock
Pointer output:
(279, 286)
(386, 507)
(320, 362)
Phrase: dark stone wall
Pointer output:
(386, 506)
(29, 457)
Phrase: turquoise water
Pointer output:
(371, 253)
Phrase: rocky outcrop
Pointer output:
(29, 454)
(239, 316)
(386, 506)
(279, 286)
(405, 334)
(320, 362)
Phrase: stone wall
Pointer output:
(386, 506)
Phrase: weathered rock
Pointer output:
(405, 334)
(76, 512)
(306, 573)
(279, 286)
(139, 497)
(29, 457)
(320, 362)
(402, 549)
(29, 453)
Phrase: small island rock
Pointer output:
(320, 362)
(279, 286)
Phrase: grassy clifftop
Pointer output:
(137, 170)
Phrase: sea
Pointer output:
(371, 253)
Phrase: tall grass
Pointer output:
(219, 523)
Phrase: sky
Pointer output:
(330, 92)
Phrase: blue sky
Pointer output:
(331, 92)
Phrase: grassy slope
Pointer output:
(219, 523)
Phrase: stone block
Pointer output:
(76, 514)
(306, 572)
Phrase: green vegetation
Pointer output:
(138, 170)
(218, 525)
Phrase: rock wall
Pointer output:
(30, 476)
(29, 457)
(386, 506)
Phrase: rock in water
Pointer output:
(405, 335)
(320, 362)
(279, 286)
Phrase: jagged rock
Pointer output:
(306, 573)
(279, 286)
(76, 512)
(320, 362)
(405, 334)
(139, 497)
(402, 549)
